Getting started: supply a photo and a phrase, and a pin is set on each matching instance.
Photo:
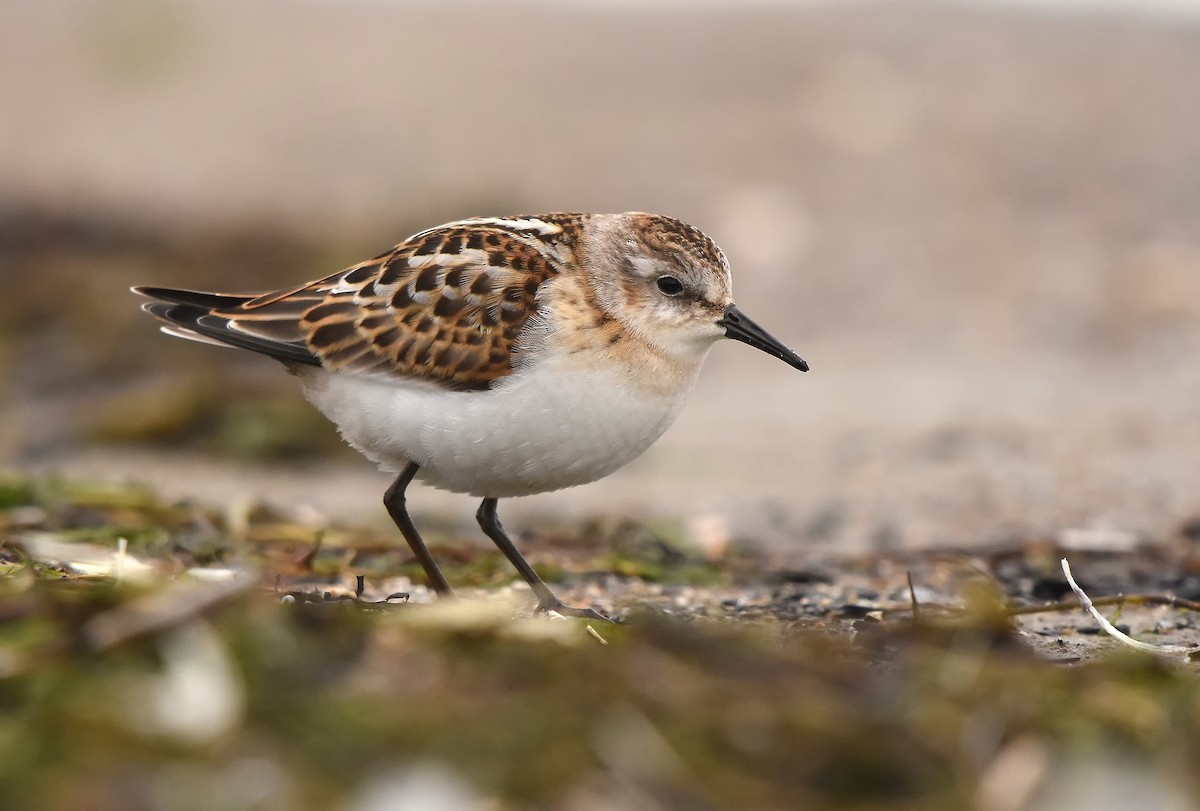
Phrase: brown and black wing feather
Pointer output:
(447, 305)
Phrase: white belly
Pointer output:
(552, 425)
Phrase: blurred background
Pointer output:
(977, 221)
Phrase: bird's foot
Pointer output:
(557, 606)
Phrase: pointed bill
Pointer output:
(740, 327)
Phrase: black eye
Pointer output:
(670, 286)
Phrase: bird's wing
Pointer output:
(447, 305)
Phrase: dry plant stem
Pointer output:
(916, 607)
(918, 612)
(1112, 630)
(153, 614)
(161, 611)
(1115, 599)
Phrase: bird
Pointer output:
(496, 356)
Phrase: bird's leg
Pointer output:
(490, 523)
(393, 499)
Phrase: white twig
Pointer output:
(119, 563)
(1111, 629)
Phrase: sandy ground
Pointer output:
(978, 226)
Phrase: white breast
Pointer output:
(553, 424)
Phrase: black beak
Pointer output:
(739, 327)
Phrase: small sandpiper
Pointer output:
(498, 356)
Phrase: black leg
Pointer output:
(393, 499)
(490, 523)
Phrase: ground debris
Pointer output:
(875, 682)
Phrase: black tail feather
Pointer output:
(194, 298)
(192, 311)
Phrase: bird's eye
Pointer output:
(670, 286)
